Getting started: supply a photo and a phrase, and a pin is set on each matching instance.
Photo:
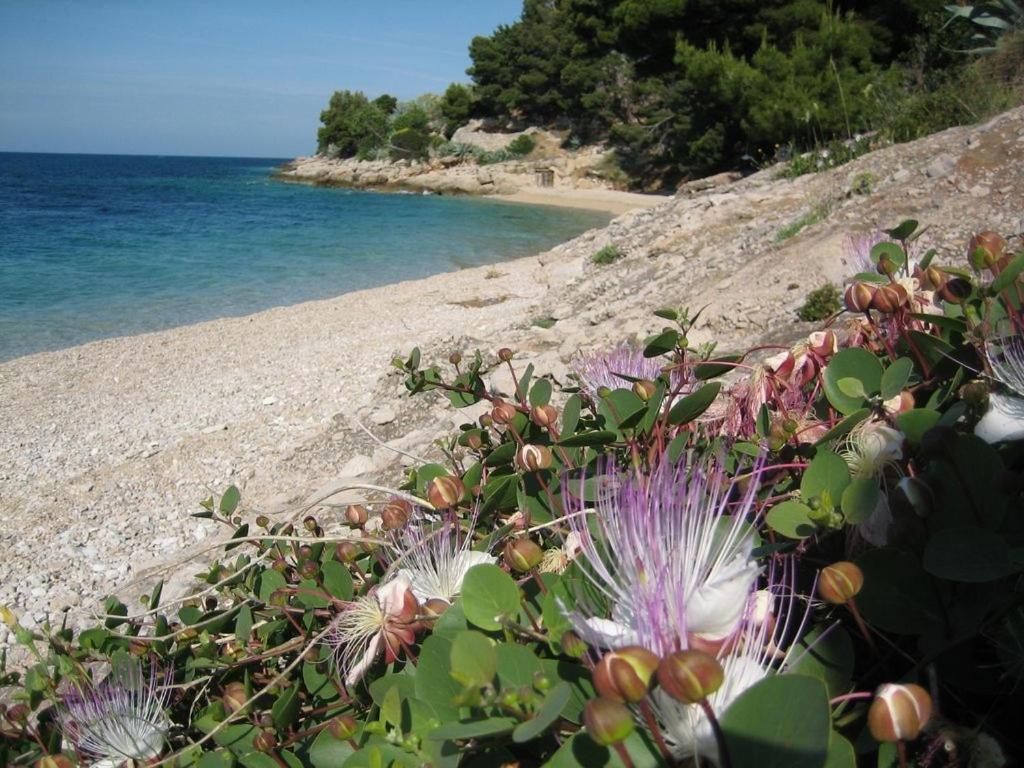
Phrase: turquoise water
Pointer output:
(93, 246)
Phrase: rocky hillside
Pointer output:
(107, 448)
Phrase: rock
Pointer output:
(215, 428)
(357, 465)
(940, 167)
(383, 416)
(270, 400)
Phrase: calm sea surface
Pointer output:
(93, 246)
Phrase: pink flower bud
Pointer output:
(858, 297)
(899, 712)
(823, 344)
(690, 676)
(396, 514)
(625, 675)
(840, 582)
(608, 722)
(343, 727)
(445, 491)
(356, 515)
(534, 457)
(523, 555)
(544, 415)
(502, 412)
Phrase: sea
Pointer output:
(94, 246)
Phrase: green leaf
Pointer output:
(286, 708)
(779, 722)
(791, 519)
(571, 415)
(667, 314)
(896, 377)
(853, 363)
(270, 581)
(914, 423)
(337, 579)
(827, 472)
(661, 344)
(693, 405)
(474, 661)
(489, 596)
(541, 392)
(893, 251)
(711, 369)
(860, 499)
(327, 751)
(852, 387)
(844, 427)
(229, 501)
(588, 439)
(621, 408)
(1005, 278)
(550, 710)
(840, 752)
(827, 654)
(517, 665)
(434, 685)
(898, 595)
(968, 554)
(503, 454)
(243, 624)
(474, 729)
(904, 230)
(425, 474)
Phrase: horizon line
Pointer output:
(147, 154)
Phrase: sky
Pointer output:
(220, 77)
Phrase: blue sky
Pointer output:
(217, 77)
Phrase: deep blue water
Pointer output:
(96, 245)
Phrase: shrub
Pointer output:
(837, 153)
(475, 614)
(351, 125)
(821, 303)
(522, 145)
(544, 321)
(609, 254)
(409, 144)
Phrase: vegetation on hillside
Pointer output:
(681, 89)
(676, 557)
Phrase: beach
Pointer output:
(107, 448)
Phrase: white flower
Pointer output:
(1004, 419)
(120, 720)
(871, 447)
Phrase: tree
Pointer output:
(456, 107)
(352, 125)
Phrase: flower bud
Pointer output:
(305, 551)
(918, 495)
(534, 457)
(504, 354)
(889, 298)
(309, 569)
(309, 523)
(436, 606)
(975, 394)
(899, 712)
(573, 645)
(840, 582)
(823, 344)
(899, 403)
(644, 389)
(690, 676)
(396, 514)
(356, 515)
(544, 415)
(445, 491)
(18, 714)
(486, 420)
(454, 358)
(932, 279)
(234, 697)
(985, 249)
(346, 551)
(955, 291)
(265, 741)
(523, 555)
(343, 727)
(886, 266)
(858, 297)
(502, 412)
(608, 722)
(262, 521)
(625, 674)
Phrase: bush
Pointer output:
(409, 144)
(456, 107)
(845, 515)
(352, 125)
(609, 254)
(522, 145)
(821, 303)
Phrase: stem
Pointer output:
(852, 605)
(723, 750)
(623, 754)
(652, 726)
(850, 697)
(901, 750)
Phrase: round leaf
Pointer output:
(474, 660)
(489, 596)
(827, 473)
(779, 722)
(860, 499)
(791, 519)
(968, 554)
(855, 363)
(897, 595)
